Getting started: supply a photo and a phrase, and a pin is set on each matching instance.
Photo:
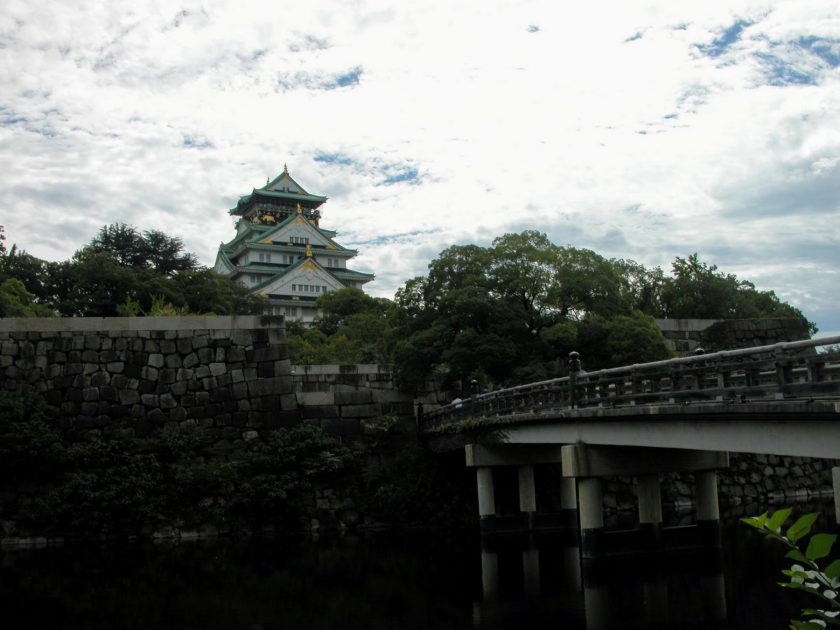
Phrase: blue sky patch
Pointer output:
(192, 142)
(826, 49)
(310, 81)
(721, 44)
(398, 174)
(780, 72)
(333, 158)
(346, 79)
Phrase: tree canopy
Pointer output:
(124, 272)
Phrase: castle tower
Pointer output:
(281, 251)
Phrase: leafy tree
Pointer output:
(122, 272)
(806, 574)
(151, 250)
(2, 238)
(699, 290)
(16, 301)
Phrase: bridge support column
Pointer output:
(650, 510)
(569, 502)
(486, 498)
(708, 512)
(835, 477)
(590, 494)
(527, 493)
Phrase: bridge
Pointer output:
(683, 414)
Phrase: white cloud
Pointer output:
(641, 131)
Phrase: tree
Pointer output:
(16, 301)
(151, 250)
(699, 290)
(123, 272)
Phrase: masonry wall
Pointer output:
(229, 374)
(686, 335)
(342, 397)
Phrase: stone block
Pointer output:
(235, 354)
(200, 341)
(356, 397)
(90, 394)
(179, 388)
(108, 393)
(317, 411)
(216, 369)
(258, 355)
(167, 401)
(191, 360)
(361, 411)
(173, 361)
(315, 398)
(149, 400)
(97, 379)
(205, 355)
(129, 396)
(149, 373)
(115, 367)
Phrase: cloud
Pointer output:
(435, 124)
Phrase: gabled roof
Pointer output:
(299, 218)
(302, 263)
(281, 187)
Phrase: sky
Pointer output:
(640, 130)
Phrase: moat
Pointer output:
(394, 580)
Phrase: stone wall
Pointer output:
(686, 335)
(231, 374)
(342, 398)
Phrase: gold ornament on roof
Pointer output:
(308, 250)
(299, 211)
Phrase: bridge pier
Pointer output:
(485, 457)
(486, 498)
(527, 493)
(708, 511)
(590, 463)
(835, 477)
(591, 497)
(650, 510)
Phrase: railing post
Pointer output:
(574, 368)
(783, 375)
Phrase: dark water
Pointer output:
(392, 581)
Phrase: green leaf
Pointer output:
(795, 554)
(755, 521)
(832, 570)
(802, 526)
(775, 522)
(820, 546)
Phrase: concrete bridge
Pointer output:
(642, 420)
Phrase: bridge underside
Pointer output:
(778, 428)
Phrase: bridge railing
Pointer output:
(797, 369)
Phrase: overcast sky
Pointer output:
(640, 130)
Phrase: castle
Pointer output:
(280, 251)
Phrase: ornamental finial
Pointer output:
(285, 168)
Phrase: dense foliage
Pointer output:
(821, 583)
(512, 312)
(120, 272)
(113, 482)
(110, 482)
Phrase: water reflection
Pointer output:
(393, 582)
